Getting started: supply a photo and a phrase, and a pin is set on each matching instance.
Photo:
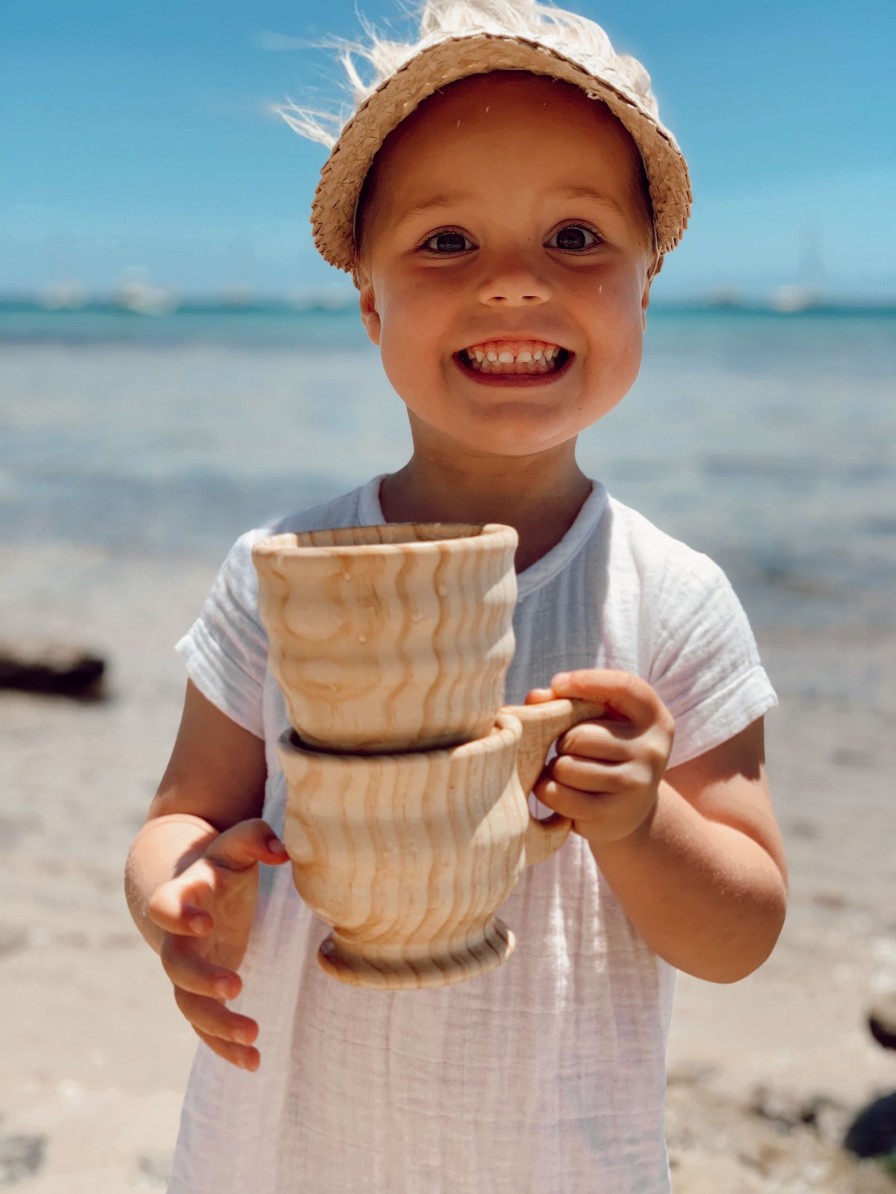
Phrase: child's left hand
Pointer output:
(607, 773)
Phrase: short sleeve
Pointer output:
(705, 663)
(226, 649)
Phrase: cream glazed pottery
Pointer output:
(409, 856)
(389, 638)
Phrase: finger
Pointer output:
(538, 696)
(189, 971)
(588, 775)
(176, 906)
(214, 1019)
(183, 904)
(609, 742)
(584, 774)
(243, 1056)
(574, 803)
(624, 693)
(245, 844)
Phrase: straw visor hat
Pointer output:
(474, 37)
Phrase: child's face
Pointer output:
(505, 221)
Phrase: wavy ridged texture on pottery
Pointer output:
(407, 818)
(390, 637)
(410, 856)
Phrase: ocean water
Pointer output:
(767, 440)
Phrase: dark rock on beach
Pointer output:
(20, 1157)
(155, 1168)
(52, 669)
(768, 1141)
(873, 1132)
(882, 1022)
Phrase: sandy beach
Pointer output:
(765, 1075)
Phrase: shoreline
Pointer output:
(96, 1055)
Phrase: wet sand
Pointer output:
(95, 1056)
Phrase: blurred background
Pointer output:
(177, 365)
(139, 144)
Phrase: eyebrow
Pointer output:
(435, 203)
(579, 192)
(449, 199)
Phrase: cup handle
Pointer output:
(542, 725)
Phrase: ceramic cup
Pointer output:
(394, 637)
(409, 856)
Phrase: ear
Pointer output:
(370, 316)
(655, 266)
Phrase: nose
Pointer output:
(513, 280)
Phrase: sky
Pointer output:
(138, 140)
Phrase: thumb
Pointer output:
(538, 696)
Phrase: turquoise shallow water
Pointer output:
(767, 440)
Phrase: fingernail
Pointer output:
(223, 987)
(560, 680)
(197, 924)
(276, 847)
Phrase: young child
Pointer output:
(504, 200)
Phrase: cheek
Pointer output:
(618, 308)
(410, 342)
(633, 360)
(618, 336)
(632, 342)
(408, 361)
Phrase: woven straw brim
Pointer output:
(343, 174)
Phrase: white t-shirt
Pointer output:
(545, 1075)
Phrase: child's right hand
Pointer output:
(205, 914)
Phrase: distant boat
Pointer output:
(236, 297)
(143, 298)
(725, 297)
(64, 296)
(330, 299)
(791, 299)
(808, 291)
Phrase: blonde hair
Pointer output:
(566, 32)
(389, 79)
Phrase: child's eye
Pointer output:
(573, 238)
(448, 242)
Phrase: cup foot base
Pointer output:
(407, 971)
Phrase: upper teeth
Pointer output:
(508, 355)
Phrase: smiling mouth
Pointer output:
(515, 358)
